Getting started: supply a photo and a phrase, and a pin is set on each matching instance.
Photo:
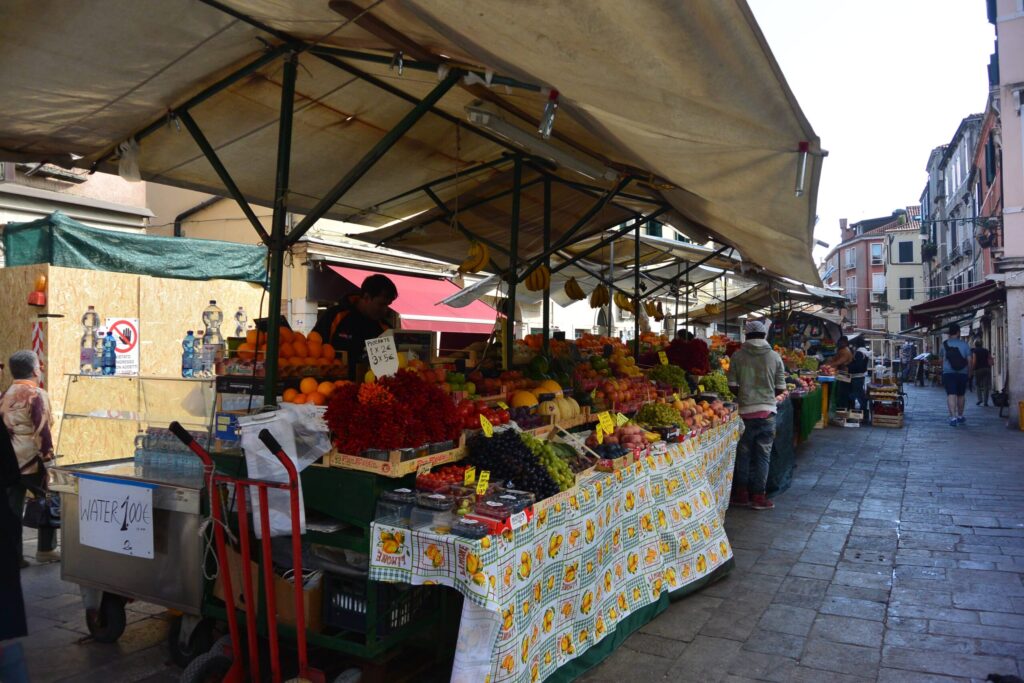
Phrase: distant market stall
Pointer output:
(516, 157)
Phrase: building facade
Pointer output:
(904, 279)
(857, 266)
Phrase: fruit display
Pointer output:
(312, 391)
(573, 290)
(576, 461)
(672, 375)
(692, 356)
(826, 371)
(556, 467)
(599, 297)
(412, 412)
(470, 412)
(441, 478)
(650, 341)
(659, 415)
(510, 463)
(477, 258)
(698, 415)
(717, 383)
(801, 384)
(526, 418)
(539, 279)
(624, 302)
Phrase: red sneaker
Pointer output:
(759, 501)
(740, 498)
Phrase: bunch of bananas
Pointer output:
(712, 309)
(477, 258)
(651, 308)
(539, 279)
(574, 291)
(624, 302)
(599, 297)
(659, 312)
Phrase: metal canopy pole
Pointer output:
(222, 173)
(611, 287)
(510, 300)
(687, 300)
(278, 239)
(608, 239)
(546, 319)
(450, 216)
(690, 267)
(636, 290)
(373, 156)
(725, 300)
(567, 236)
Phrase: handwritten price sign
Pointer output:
(116, 516)
(383, 355)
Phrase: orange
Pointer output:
(301, 350)
(297, 337)
(315, 338)
(285, 350)
(285, 334)
(340, 383)
(246, 351)
(315, 349)
(289, 395)
(250, 337)
(300, 399)
(328, 352)
(317, 399)
(325, 388)
(262, 353)
(308, 385)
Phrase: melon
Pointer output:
(523, 399)
(549, 386)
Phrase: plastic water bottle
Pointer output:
(87, 349)
(109, 355)
(212, 319)
(188, 355)
(240, 321)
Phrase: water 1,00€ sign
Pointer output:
(116, 515)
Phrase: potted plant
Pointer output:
(929, 250)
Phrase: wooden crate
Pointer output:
(894, 421)
(393, 466)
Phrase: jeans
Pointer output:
(46, 539)
(857, 393)
(754, 454)
(983, 381)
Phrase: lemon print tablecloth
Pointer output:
(543, 594)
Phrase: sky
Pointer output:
(883, 82)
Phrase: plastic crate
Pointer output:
(398, 605)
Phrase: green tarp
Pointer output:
(62, 241)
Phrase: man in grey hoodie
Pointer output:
(756, 376)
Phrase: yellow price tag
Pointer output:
(502, 405)
(675, 397)
(481, 484)
(620, 419)
(469, 476)
(663, 357)
(486, 425)
(700, 388)
(607, 422)
(599, 433)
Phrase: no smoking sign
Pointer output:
(126, 336)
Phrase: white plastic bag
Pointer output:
(262, 464)
(128, 164)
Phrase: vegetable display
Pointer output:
(716, 382)
(402, 411)
(672, 375)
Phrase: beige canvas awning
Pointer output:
(684, 97)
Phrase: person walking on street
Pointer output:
(756, 376)
(840, 361)
(25, 410)
(858, 368)
(12, 604)
(955, 372)
(981, 368)
(907, 353)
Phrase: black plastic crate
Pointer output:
(398, 604)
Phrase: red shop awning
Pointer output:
(418, 306)
(962, 302)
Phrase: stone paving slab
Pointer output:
(897, 556)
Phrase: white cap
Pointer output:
(756, 326)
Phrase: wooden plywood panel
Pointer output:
(15, 313)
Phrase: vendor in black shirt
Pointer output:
(359, 317)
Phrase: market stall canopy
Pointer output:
(62, 241)
(419, 306)
(958, 303)
(763, 295)
(684, 99)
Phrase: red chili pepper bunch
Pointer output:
(401, 411)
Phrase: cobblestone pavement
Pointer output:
(896, 555)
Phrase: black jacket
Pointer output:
(12, 607)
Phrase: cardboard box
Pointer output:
(394, 466)
(284, 594)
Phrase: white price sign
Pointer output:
(383, 355)
(116, 515)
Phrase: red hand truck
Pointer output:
(239, 670)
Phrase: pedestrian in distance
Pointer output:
(858, 369)
(840, 361)
(12, 604)
(981, 368)
(757, 377)
(25, 411)
(956, 369)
